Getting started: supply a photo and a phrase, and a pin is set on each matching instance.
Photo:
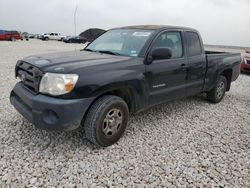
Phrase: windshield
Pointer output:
(127, 42)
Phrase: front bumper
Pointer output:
(49, 113)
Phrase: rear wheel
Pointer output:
(217, 93)
(106, 120)
(13, 39)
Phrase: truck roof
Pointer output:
(155, 27)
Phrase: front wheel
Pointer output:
(217, 93)
(106, 120)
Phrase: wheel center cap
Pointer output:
(112, 122)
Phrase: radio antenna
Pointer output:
(76, 7)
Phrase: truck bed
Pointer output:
(214, 52)
(219, 61)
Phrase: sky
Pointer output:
(220, 22)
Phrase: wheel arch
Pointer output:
(228, 74)
(126, 93)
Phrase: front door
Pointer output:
(167, 78)
(52, 36)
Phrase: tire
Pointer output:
(13, 39)
(106, 120)
(217, 93)
(46, 38)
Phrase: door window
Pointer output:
(171, 40)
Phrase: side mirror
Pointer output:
(158, 54)
(161, 53)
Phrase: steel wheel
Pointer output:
(112, 122)
(106, 120)
(217, 93)
(220, 89)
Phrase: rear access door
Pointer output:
(196, 66)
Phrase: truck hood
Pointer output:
(68, 61)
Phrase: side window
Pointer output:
(194, 45)
(170, 40)
(52, 34)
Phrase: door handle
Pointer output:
(183, 67)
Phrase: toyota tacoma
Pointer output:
(124, 71)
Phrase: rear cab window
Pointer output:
(194, 47)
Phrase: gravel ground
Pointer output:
(186, 143)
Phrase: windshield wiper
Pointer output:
(108, 52)
(87, 49)
(102, 51)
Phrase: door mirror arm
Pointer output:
(149, 59)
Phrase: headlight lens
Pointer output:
(57, 84)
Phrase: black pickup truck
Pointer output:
(124, 71)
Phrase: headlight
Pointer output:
(57, 84)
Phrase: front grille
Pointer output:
(29, 75)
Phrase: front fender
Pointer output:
(101, 83)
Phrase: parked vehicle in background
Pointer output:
(10, 35)
(124, 71)
(31, 36)
(40, 36)
(88, 35)
(76, 39)
(92, 34)
(25, 35)
(245, 63)
(53, 36)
